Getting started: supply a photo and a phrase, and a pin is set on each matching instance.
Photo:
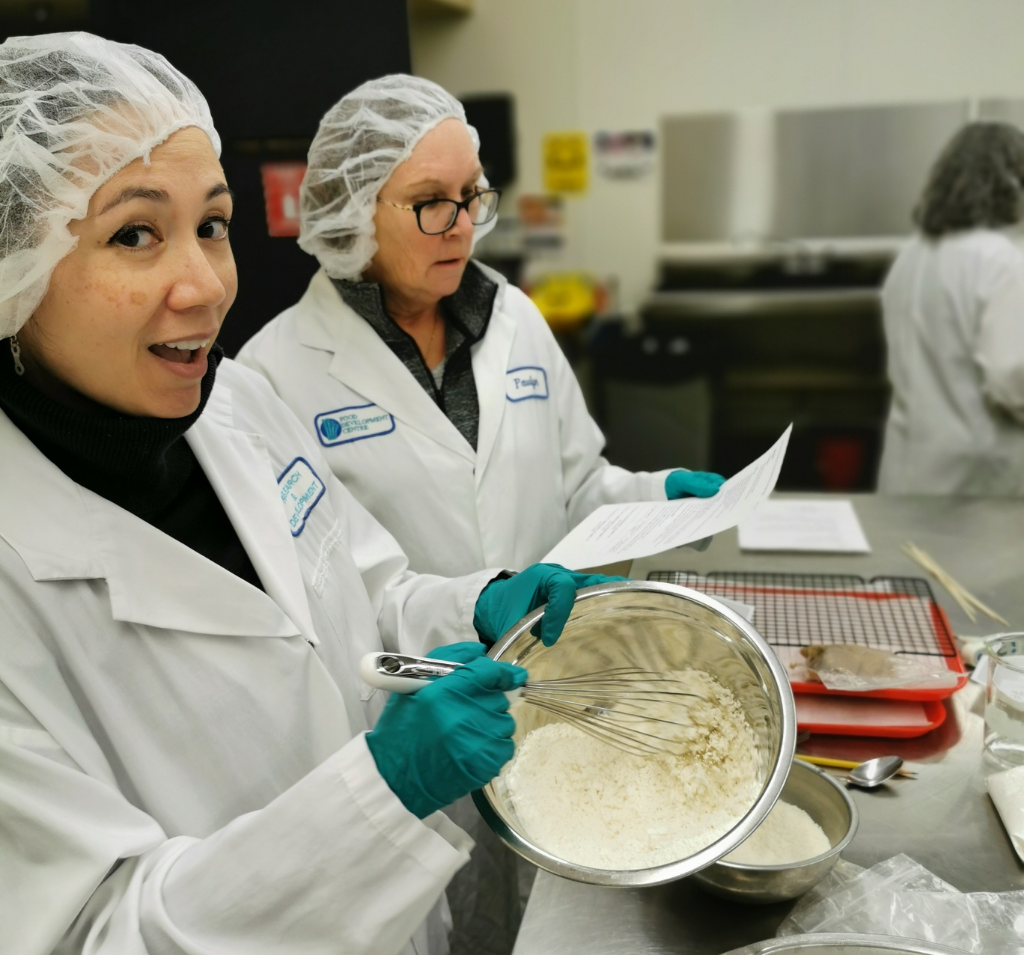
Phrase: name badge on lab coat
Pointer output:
(301, 489)
(528, 381)
(352, 424)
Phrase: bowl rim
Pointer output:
(680, 868)
(879, 943)
(835, 850)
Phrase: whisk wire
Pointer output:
(636, 710)
(631, 742)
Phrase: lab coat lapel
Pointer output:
(157, 581)
(364, 363)
(71, 533)
(490, 365)
(240, 470)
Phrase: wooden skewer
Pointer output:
(988, 611)
(964, 597)
(955, 590)
(960, 594)
(830, 763)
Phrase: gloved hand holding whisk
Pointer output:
(451, 737)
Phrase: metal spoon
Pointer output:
(874, 772)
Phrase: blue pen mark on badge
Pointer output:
(300, 488)
(354, 423)
(525, 382)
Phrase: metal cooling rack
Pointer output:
(898, 614)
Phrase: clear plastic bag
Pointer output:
(855, 668)
(900, 897)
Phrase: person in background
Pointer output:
(435, 389)
(186, 590)
(953, 306)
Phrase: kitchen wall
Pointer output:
(621, 64)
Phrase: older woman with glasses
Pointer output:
(436, 390)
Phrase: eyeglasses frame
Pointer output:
(459, 206)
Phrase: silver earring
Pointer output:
(19, 368)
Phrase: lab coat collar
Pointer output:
(242, 473)
(67, 532)
(363, 362)
(490, 368)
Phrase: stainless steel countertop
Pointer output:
(943, 819)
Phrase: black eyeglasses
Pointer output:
(438, 215)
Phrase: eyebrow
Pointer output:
(159, 195)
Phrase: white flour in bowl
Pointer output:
(787, 835)
(590, 803)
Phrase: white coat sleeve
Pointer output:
(1000, 347)
(415, 612)
(334, 864)
(588, 480)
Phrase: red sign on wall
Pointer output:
(281, 181)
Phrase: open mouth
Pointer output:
(184, 353)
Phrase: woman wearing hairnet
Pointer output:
(953, 305)
(435, 389)
(185, 588)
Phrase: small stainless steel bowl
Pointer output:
(657, 627)
(841, 944)
(829, 805)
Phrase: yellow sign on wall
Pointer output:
(565, 162)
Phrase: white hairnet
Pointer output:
(361, 140)
(74, 109)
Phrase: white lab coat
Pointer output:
(954, 322)
(537, 470)
(157, 709)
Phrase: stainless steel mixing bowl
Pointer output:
(829, 805)
(839, 944)
(659, 627)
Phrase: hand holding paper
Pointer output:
(617, 532)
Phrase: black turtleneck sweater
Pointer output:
(141, 464)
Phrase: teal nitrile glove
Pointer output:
(451, 737)
(505, 602)
(692, 484)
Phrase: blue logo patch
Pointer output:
(301, 489)
(352, 424)
(525, 382)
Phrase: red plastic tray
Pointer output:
(934, 712)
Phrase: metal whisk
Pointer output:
(642, 712)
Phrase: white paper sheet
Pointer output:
(617, 532)
(746, 611)
(821, 526)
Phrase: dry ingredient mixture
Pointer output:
(787, 835)
(595, 805)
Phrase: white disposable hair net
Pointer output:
(361, 140)
(74, 109)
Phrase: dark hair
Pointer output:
(978, 180)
